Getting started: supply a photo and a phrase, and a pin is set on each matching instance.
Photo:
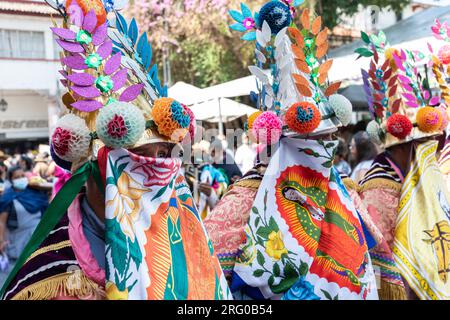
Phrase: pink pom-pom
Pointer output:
(267, 128)
(192, 124)
(443, 110)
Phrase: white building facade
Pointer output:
(29, 81)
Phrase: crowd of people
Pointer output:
(27, 184)
(299, 210)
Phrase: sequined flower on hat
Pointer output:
(93, 88)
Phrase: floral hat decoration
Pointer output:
(441, 64)
(294, 97)
(114, 97)
(398, 92)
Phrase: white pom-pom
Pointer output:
(342, 107)
(373, 130)
(71, 138)
(120, 124)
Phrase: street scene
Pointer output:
(224, 150)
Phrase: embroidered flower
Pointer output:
(275, 246)
(301, 290)
(60, 141)
(117, 127)
(93, 60)
(126, 203)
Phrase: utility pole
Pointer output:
(166, 54)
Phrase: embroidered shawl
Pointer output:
(380, 193)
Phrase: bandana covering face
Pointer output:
(156, 245)
(304, 238)
(422, 235)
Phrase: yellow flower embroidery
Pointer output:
(126, 203)
(275, 246)
(113, 293)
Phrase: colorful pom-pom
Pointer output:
(171, 118)
(444, 114)
(71, 138)
(444, 54)
(399, 126)
(252, 118)
(303, 117)
(88, 5)
(276, 14)
(373, 130)
(192, 124)
(429, 119)
(267, 128)
(342, 107)
(120, 124)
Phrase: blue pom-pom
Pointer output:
(276, 14)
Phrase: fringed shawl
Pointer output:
(52, 271)
(380, 193)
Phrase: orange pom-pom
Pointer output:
(88, 5)
(429, 119)
(167, 126)
(303, 117)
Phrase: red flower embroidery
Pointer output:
(116, 127)
(60, 140)
(157, 171)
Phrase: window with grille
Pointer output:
(22, 44)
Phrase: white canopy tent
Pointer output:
(220, 109)
(212, 104)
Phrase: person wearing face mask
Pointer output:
(21, 209)
(125, 225)
(300, 237)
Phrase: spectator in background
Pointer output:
(362, 153)
(245, 155)
(26, 164)
(3, 170)
(41, 165)
(224, 161)
(20, 212)
(340, 162)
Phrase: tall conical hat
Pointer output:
(114, 96)
(294, 96)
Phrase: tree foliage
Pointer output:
(195, 37)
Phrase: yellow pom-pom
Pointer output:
(252, 118)
(429, 119)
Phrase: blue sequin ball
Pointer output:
(276, 14)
